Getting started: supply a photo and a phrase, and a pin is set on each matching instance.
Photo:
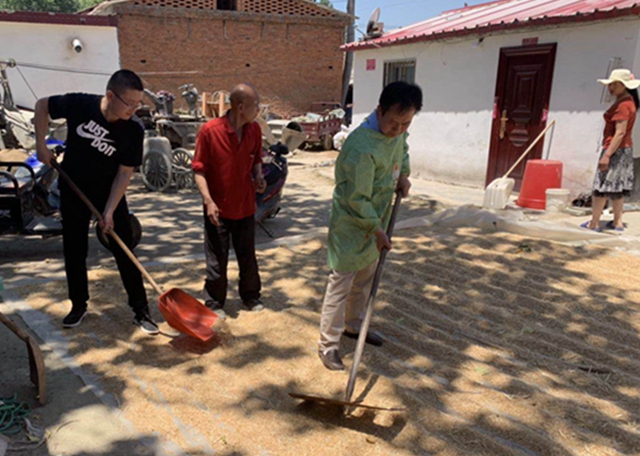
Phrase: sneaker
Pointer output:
(75, 317)
(146, 323)
(216, 307)
(254, 305)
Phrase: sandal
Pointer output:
(610, 226)
(586, 225)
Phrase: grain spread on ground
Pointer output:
(495, 344)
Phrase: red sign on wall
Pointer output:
(371, 64)
(530, 41)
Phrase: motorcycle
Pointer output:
(35, 209)
(274, 171)
(275, 168)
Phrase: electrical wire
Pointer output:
(63, 69)
(27, 83)
(201, 73)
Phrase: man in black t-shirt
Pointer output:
(104, 145)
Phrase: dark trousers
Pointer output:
(76, 217)
(241, 233)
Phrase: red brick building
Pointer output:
(289, 49)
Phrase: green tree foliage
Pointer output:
(53, 6)
(322, 2)
(85, 4)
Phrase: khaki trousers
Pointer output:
(344, 304)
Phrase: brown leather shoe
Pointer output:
(331, 360)
(372, 338)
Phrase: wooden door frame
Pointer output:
(505, 54)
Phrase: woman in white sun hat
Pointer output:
(614, 176)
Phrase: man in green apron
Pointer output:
(373, 163)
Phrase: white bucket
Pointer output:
(557, 199)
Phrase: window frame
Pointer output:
(395, 65)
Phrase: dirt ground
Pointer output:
(173, 226)
(496, 344)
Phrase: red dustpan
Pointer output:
(186, 314)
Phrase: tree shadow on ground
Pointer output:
(520, 324)
(173, 227)
(495, 344)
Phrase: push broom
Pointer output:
(497, 193)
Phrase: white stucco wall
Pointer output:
(49, 45)
(450, 137)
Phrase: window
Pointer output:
(229, 5)
(400, 70)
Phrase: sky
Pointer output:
(397, 13)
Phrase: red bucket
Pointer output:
(186, 314)
(539, 175)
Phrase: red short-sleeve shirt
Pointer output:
(227, 164)
(624, 109)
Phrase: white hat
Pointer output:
(623, 76)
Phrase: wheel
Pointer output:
(182, 172)
(156, 171)
(136, 230)
(295, 126)
(327, 142)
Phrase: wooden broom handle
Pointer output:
(110, 232)
(535, 141)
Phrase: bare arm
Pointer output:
(211, 207)
(41, 124)
(118, 188)
(258, 178)
(621, 130)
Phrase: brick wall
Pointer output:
(291, 61)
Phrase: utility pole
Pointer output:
(348, 57)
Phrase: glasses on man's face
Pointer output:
(138, 105)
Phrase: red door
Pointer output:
(523, 89)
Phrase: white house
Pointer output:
(495, 74)
(57, 53)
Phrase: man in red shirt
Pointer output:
(228, 172)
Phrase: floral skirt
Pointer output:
(617, 180)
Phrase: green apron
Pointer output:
(367, 172)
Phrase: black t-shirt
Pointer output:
(96, 148)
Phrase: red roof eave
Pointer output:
(57, 18)
(556, 20)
